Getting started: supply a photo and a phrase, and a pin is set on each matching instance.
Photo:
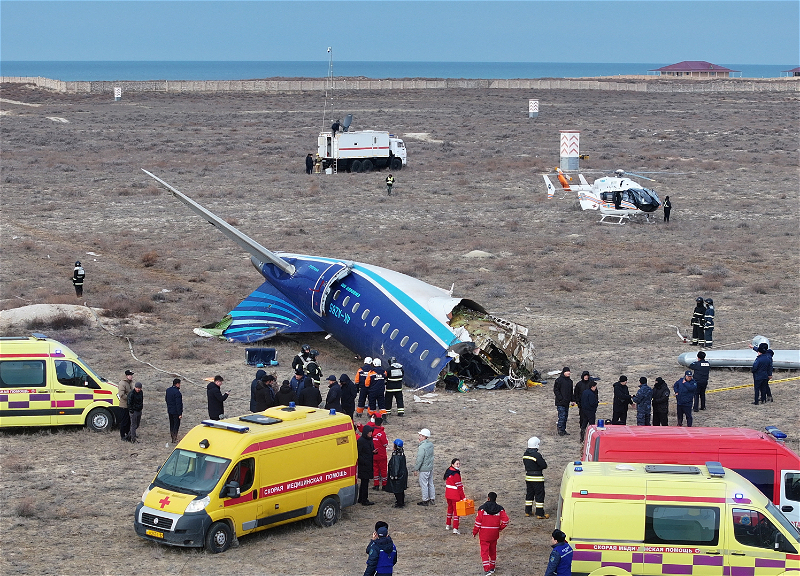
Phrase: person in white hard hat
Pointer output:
(423, 467)
(534, 479)
(362, 384)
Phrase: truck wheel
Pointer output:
(329, 512)
(99, 420)
(218, 538)
(396, 164)
(355, 166)
(366, 165)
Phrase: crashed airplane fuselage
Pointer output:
(373, 311)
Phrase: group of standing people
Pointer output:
(703, 322)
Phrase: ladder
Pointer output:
(329, 86)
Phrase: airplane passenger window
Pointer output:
(385, 328)
(365, 314)
(423, 355)
(412, 347)
(404, 341)
(336, 294)
(355, 307)
(375, 321)
(436, 362)
(394, 334)
(346, 300)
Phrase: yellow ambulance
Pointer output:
(632, 519)
(44, 383)
(236, 476)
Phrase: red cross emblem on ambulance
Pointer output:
(164, 501)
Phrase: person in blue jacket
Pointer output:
(560, 562)
(643, 399)
(762, 373)
(381, 552)
(684, 391)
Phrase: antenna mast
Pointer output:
(328, 88)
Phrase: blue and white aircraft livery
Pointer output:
(371, 310)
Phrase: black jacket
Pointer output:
(365, 454)
(174, 400)
(398, 472)
(216, 401)
(534, 462)
(349, 393)
(562, 388)
(135, 401)
(580, 386)
(310, 396)
(265, 396)
(589, 402)
(661, 397)
(253, 385)
(334, 398)
(701, 370)
(622, 397)
(285, 395)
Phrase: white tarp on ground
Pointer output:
(19, 317)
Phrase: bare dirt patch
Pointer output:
(595, 297)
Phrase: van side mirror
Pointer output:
(231, 490)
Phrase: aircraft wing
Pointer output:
(551, 190)
(264, 313)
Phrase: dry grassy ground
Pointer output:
(595, 297)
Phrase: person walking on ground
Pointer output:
(698, 323)
(389, 184)
(265, 393)
(394, 387)
(381, 553)
(489, 522)
(667, 208)
(643, 400)
(174, 400)
(622, 399)
(583, 384)
(423, 467)
(135, 406)
(708, 328)
(398, 475)
(453, 492)
(701, 370)
(660, 403)
(379, 460)
(309, 163)
(259, 375)
(562, 390)
(762, 373)
(684, 392)
(366, 451)
(125, 386)
(362, 385)
(349, 393)
(78, 275)
(589, 403)
(560, 561)
(333, 400)
(534, 479)
(216, 399)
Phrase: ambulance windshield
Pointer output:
(190, 472)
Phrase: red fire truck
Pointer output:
(761, 457)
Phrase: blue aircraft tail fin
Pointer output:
(263, 314)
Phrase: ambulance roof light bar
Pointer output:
(715, 469)
(39, 335)
(775, 433)
(226, 426)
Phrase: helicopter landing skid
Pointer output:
(621, 218)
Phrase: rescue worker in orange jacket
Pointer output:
(362, 384)
(489, 522)
(454, 491)
(376, 394)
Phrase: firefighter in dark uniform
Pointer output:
(534, 479)
(698, 323)
(299, 362)
(709, 323)
(701, 370)
(78, 274)
(362, 385)
(376, 384)
(394, 386)
(312, 369)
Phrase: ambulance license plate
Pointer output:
(154, 533)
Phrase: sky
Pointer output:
(740, 32)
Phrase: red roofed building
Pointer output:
(695, 69)
(793, 71)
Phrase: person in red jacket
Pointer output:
(454, 491)
(380, 461)
(491, 519)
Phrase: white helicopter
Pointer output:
(617, 197)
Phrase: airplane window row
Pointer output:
(385, 329)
